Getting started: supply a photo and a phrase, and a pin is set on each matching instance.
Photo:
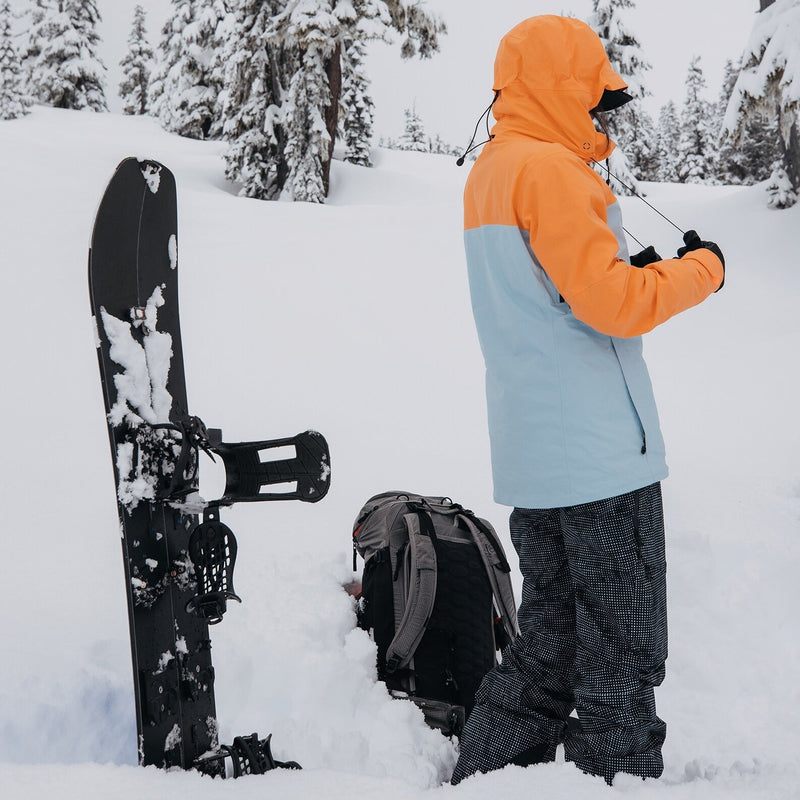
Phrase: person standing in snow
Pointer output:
(577, 451)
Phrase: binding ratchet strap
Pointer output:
(420, 593)
(191, 435)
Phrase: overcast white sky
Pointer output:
(452, 89)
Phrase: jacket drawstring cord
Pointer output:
(470, 146)
(636, 194)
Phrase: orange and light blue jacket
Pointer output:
(558, 308)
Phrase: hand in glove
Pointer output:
(692, 241)
(647, 256)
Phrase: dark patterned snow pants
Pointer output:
(593, 638)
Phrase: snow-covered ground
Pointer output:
(353, 318)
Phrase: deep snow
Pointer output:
(353, 318)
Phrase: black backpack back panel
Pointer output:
(458, 648)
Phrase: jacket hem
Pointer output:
(558, 500)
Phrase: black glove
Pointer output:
(692, 241)
(647, 256)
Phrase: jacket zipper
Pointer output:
(635, 410)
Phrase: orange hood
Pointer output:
(550, 72)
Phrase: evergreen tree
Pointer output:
(186, 85)
(668, 139)
(284, 56)
(629, 126)
(642, 146)
(695, 147)
(14, 100)
(441, 147)
(415, 139)
(356, 105)
(136, 67)
(780, 191)
(251, 111)
(767, 83)
(66, 71)
(748, 158)
(170, 49)
(618, 173)
(420, 29)
(413, 136)
(37, 11)
(732, 166)
(310, 26)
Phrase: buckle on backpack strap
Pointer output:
(446, 717)
(392, 664)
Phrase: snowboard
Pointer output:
(178, 556)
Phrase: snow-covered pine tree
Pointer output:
(732, 166)
(311, 28)
(630, 127)
(185, 87)
(420, 28)
(413, 136)
(253, 94)
(136, 66)
(443, 148)
(780, 191)
(642, 142)
(36, 12)
(696, 145)
(668, 137)
(357, 107)
(263, 87)
(14, 100)
(363, 21)
(768, 81)
(749, 157)
(66, 71)
(169, 54)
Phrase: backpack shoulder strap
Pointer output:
(419, 597)
(497, 570)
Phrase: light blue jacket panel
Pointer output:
(572, 417)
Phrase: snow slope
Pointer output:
(353, 318)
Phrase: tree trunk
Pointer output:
(791, 155)
(281, 168)
(333, 68)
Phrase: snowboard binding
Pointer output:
(171, 453)
(249, 477)
(248, 755)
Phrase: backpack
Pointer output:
(437, 598)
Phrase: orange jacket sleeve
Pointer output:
(564, 205)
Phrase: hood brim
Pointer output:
(613, 98)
